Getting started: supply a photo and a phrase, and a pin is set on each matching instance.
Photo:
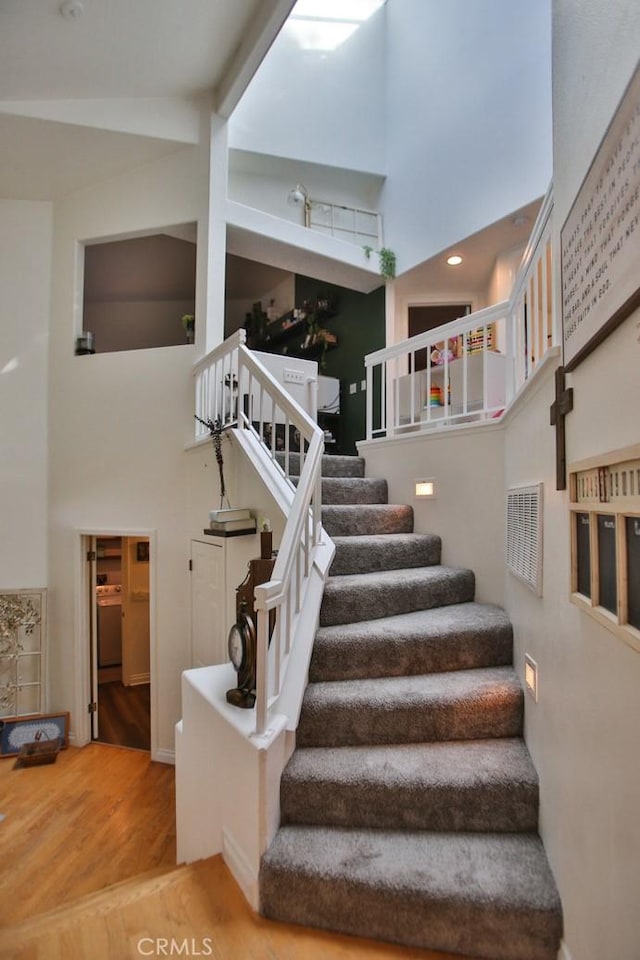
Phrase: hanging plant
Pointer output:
(386, 259)
(387, 263)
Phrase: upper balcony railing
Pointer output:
(352, 224)
(468, 370)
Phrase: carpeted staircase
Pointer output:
(410, 806)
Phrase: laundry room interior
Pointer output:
(121, 653)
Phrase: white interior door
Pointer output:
(208, 621)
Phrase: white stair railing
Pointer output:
(232, 386)
(449, 375)
(468, 370)
(531, 305)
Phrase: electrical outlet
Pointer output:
(294, 376)
(353, 387)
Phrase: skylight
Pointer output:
(325, 24)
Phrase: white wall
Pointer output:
(503, 275)
(468, 512)
(282, 294)
(301, 103)
(118, 424)
(583, 731)
(265, 182)
(25, 276)
(412, 290)
(468, 118)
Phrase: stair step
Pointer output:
(385, 551)
(370, 596)
(484, 895)
(353, 520)
(473, 786)
(332, 466)
(463, 705)
(352, 490)
(456, 637)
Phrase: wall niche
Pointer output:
(138, 289)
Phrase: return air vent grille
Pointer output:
(524, 535)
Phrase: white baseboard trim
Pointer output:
(137, 678)
(164, 756)
(244, 875)
(563, 952)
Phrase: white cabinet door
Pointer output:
(208, 620)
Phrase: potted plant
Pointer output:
(189, 326)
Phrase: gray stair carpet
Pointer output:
(410, 805)
(462, 705)
(456, 637)
(385, 551)
(345, 520)
(351, 490)
(476, 785)
(385, 593)
(484, 895)
(332, 466)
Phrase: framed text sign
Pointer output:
(600, 240)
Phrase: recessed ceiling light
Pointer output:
(454, 261)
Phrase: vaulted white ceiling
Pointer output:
(114, 52)
(119, 48)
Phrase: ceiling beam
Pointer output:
(264, 27)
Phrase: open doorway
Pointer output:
(120, 640)
(423, 317)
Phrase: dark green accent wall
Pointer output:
(359, 325)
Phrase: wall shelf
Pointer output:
(277, 336)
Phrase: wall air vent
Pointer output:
(524, 535)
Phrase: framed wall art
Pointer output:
(16, 732)
(600, 239)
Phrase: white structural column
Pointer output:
(212, 238)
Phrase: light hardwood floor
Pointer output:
(125, 715)
(96, 816)
(101, 816)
